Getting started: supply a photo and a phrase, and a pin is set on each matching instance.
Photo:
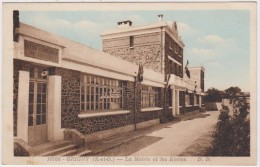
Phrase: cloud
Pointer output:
(136, 19)
(85, 25)
(202, 52)
(217, 41)
(185, 29)
(212, 45)
(56, 25)
(214, 39)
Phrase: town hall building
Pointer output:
(66, 94)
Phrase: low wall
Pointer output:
(111, 132)
(213, 106)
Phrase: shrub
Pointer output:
(232, 136)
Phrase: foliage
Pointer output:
(232, 137)
(232, 93)
(213, 95)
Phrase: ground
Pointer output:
(187, 138)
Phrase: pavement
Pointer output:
(155, 140)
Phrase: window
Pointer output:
(195, 100)
(181, 99)
(191, 99)
(170, 44)
(170, 97)
(98, 93)
(181, 52)
(175, 47)
(176, 69)
(173, 68)
(131, 41)
(149, 96)
(180, 71)
(187, 100)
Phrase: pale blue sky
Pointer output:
(218, 40)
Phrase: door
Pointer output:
(37, 115)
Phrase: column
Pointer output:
(23, 103)
(54, 108)
(178, 102)
(199, 101)
(194, 99)
(173, 102)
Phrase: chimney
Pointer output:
(124, 24)
(160, 17)
(16, 24)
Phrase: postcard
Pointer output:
(129, 83)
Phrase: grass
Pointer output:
(201, 146)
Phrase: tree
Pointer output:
(232, 92)
(213, 95)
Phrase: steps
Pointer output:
(61, 148)
(58, 151)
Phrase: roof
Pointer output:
(134, 28)
(129, 29)
(196, 68)
(81, 53)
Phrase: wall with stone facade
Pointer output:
(192, 108)
(146, 50)
(71, 106)
(70, 102)
(15, 95)
(90, 125)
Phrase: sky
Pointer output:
(218, 40)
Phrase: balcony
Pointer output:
(177, 81)
(184, 83)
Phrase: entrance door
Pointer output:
(37, 115)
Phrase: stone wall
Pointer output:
(149, 56)
(70, 98)
(191, 109)
(146, 49)
(90, 125)
(71, 106)
(15, 95)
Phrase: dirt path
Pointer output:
(172, 140)
(178, 137)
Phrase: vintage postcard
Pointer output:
(129, 83)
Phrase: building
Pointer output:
(64, 90)
(159, 47)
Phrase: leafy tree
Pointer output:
(232, 92)
(213, 95)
